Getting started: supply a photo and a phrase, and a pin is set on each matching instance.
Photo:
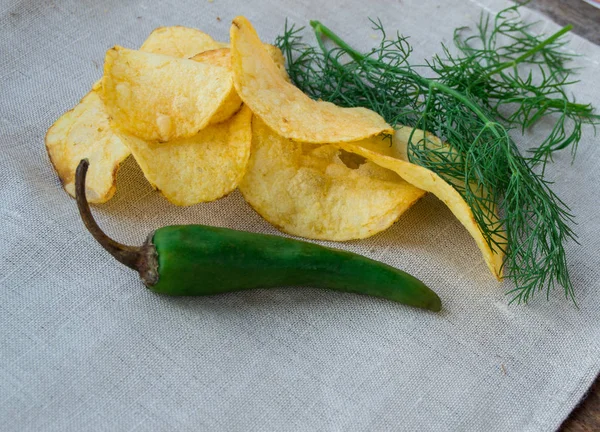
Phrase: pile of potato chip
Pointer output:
(202, 118)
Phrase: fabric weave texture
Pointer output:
(84, 346)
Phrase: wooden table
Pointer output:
(586, 23)
(584, 17)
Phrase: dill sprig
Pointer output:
(504, 78)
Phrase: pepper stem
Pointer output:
(128, 255)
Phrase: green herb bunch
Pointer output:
(500, 80)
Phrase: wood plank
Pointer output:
(586, 417)
(584, 17)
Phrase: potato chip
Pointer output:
(179, 41)
(85, 132)
(222, 57)
(319, 191)
(219, 57)
(161, 98)
(394, 158)
(202, 168)
(282, 106)
(277, 56)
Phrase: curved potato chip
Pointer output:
(282, 106)
(219, 57)
(279, 60)
(179, 41)
(222, 57)
(394, 158)
(85, 133)
(202, 168)
(319, 192)
(158, 97)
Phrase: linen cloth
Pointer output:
(83, 346)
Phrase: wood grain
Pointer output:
(586, 23)
(586, 417)
(584, 17)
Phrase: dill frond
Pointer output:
(504, 79)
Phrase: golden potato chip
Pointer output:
(394, 158)
(277, 56)
(222, 57)
(179, 41)
(161, 98)
(85, 132)
(282, 106)
(219, 57)
(319, 191)
(202, 168)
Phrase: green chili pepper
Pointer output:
(185, 260)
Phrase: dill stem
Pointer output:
(529, 53)
(322, 30)
(465, 100)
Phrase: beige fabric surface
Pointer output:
(84, 347)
